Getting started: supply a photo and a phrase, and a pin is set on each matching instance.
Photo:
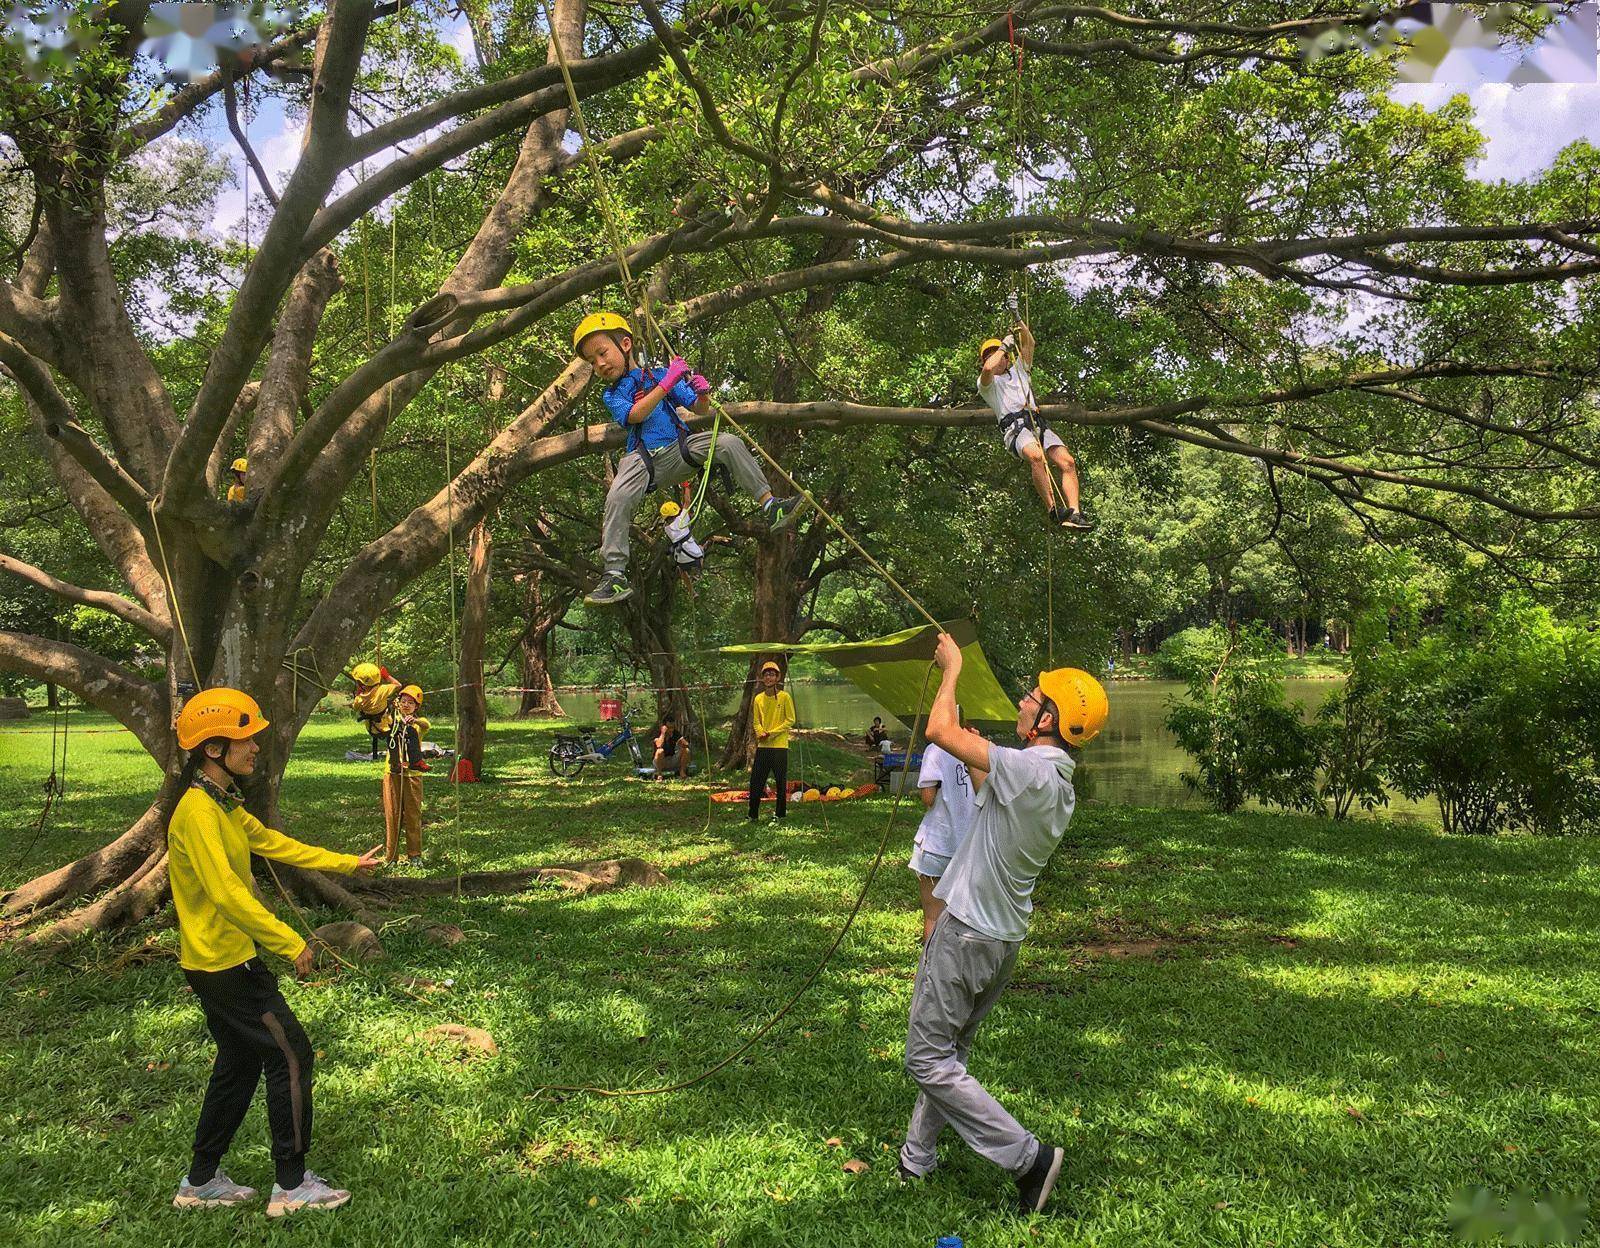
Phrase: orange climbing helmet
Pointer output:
(1081, 703)
(222, 712)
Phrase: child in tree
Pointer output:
(688, 554)
(220, 922)
(402, 783)
(375, 690)
(1005, 382)
(647, 402)
(236, 491)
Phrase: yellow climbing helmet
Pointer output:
(595, 323)
(670, 510)
(989, 344)
(770, 666)
(241, 465)
(1080, 700)
(413, 692)
(218, 713)
(366, 674)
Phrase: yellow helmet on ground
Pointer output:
(670, 510)
(413, 692)
(595, 323)
(421, 725)
(1081, 701)
(366, 674)
(241, 465)
(218, 713)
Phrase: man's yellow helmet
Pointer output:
(366, 674)
(241, 465)
(989, 344)
(595, 323)
(1081, 701)
(218, 713)
(413, 692)
(670, 510)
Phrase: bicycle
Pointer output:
(572, 752)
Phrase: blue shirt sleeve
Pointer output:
(620, 397)
(683, 394)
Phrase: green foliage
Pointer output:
(1247, 741)
(1496, 713)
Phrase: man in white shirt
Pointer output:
(1006, 383)
(1024, 802)
(947, 799)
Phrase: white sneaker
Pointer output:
(313, 1193)
(219, 1192)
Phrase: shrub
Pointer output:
(1247, 741)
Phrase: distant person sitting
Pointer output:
(877, 734)
(672, 748)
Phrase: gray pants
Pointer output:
(632, 482)
(960, 977)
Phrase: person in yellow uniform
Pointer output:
(402, 782)
(236, 491)
(221, 921)
(375, 690)
(772, 715)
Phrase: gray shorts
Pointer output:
(930, 865)
(1023, 438)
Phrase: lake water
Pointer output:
(1134, 761)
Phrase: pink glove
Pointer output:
(677, 370)
(699, 384)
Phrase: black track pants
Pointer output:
(256, 1032)
(774, 763)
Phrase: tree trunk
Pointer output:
(649, 619)
(52, 698)
(774, 606)
(473, 705)
(538, 688)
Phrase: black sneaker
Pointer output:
(783, 512)
(1034, 1187)
(911, 1176)
(1059, 515)
(612, 589)
(1077, 520)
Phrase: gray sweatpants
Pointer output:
(960, 977)
(632, 482)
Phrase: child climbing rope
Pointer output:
(402, 782)
(375, 690)
(676, 522)
(236, 491)
(1005, 382)
(771, 715)
(647, 402)
(220, 920)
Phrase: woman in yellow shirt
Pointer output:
(220, 922)
(772, 715)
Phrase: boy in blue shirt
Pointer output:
(660, 450)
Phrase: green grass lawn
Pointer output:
(1258, 1030)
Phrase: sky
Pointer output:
(1525, 126)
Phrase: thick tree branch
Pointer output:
(277, 262)
(287, 376)
(135, 704)
(123, 608)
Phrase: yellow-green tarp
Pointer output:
(891, 670)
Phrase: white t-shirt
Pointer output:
(1022, 810)
(684, 548)
(946, 823)
(1011, 391)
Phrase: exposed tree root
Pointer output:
(136, 898)
(95, 872)
(595, 876)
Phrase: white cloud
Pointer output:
(1525, 126)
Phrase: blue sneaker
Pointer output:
(313, 1193)
(217, 1193)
